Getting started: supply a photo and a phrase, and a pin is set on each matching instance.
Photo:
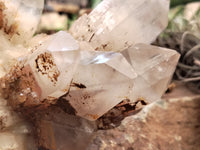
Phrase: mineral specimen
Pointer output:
(53, 64)
(99, 77)
(102, 67)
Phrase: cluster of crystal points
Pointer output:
(142, 71)
(104, 65)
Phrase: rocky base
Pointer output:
(173, 123)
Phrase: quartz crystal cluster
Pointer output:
(100, 64)
(107, 78)
(104, 60)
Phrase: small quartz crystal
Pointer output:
(154, 67)
(53, 64)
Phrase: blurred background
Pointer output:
(66, 11)
(182, 33)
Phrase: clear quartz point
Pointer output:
(115, 24)
(53, 64)
(154, 67)
(103, 79)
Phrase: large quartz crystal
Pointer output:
(116, 24)
(103, 79)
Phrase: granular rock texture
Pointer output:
(162, 125)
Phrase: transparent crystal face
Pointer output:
(53, 64)
(94, 83)
(154, 67)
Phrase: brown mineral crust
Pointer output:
(2, 8)
(12, 29)
(20, 88)
(113, 117)
(46, 66)
(2, 123)
(8, 29)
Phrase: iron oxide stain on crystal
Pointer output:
(46, 66)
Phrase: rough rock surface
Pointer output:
(168, 124)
